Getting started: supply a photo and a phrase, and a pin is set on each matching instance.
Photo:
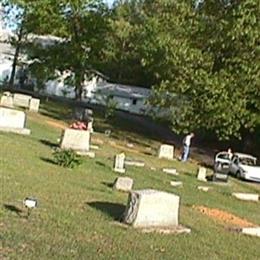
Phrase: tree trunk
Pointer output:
(16, 56)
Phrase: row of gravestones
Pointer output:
(166, 151)
(20, 100)
(13, 120)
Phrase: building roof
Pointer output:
(124, 91)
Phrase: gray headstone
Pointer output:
(123, 184)
(77, 140)
(152, 208)
(166, 151)
(34, 104)
(22, 100)
(119, 163)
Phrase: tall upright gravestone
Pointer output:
(119, 163)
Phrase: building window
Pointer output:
(134, 101)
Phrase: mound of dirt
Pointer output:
(224, 217)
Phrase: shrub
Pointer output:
(110, 108)
(67, 158)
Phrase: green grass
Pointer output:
(78, 211)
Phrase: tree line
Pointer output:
(201, 58)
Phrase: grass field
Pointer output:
(78, 211)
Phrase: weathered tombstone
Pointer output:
(166, 151)
(34, 105)
(202, 174)
(12, 120)
(123, 184)
(152, 208)
(7, 101)
(119, 163)
(77, 140)
(22, 100)
(246, 196)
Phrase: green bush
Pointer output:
(110, 108)
(67, 158)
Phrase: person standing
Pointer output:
(186, 146)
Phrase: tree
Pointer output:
(80, 26)
(122, 56)
(20, 19)
(206, 63)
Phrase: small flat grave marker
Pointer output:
(171, 171)
(176, 183)
(246, 196)
(123, 184)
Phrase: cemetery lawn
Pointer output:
(78, 212)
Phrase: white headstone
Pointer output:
(34, 104)
(203, 188)
(246, 196)
(166, 151)
(12, 120)
(77, 140)
(7, 101)
(119, 163)
(22, 100)
(134, 163)
(171, 171)
(202, 174)
(152, 208)
(252, 231)
(176, 183)
(123, 184)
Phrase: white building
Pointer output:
(99, 91)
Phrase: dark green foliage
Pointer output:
(67, 158)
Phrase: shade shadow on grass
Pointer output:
(13, 208)
(108, 184)
(101, 164)
(48, 160)
(114, 210)
(49, 143)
